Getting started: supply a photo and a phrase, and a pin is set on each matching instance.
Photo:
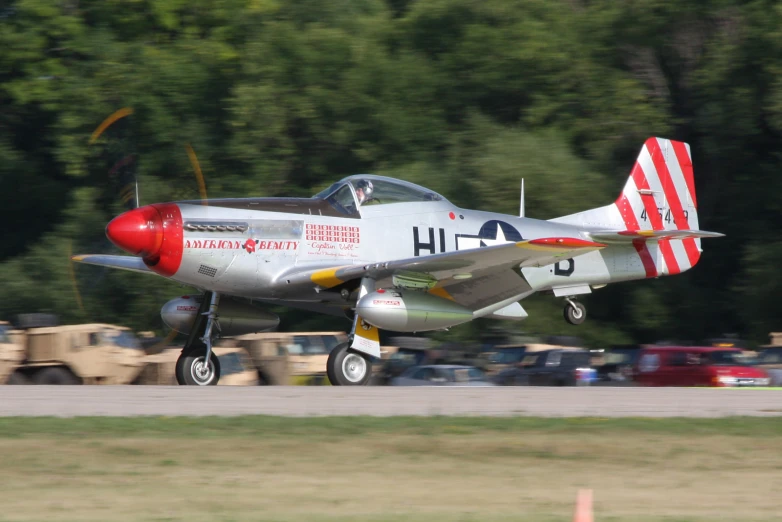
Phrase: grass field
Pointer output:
(396, 469)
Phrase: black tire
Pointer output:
(187, 367)
(18, 378)
(55, 375)
(263, 380)
(178, 369)
(576, 313)
(340, 360)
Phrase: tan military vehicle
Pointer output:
(775, 338)
(236, 367)
(289, 358)
(77, 354)
(11, 353)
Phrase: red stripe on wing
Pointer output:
(565, 242)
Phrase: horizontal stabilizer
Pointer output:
(134, 264)
(624, 236)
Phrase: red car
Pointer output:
(696, 366)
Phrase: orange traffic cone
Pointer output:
(583, 506)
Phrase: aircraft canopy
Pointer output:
(348, 194)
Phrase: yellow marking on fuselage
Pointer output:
(326, 278)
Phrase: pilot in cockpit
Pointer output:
(364, 190)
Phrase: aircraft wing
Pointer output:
(475, 278)
(134, 264)
(627, 236)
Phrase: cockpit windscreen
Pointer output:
(351, 193)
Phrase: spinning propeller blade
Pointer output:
(119, 154)
(199, 176)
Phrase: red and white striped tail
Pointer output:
(660, 195)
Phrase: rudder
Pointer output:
(660, 195)
(660, 192)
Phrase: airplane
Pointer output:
(393, 255)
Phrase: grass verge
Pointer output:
(388, 469)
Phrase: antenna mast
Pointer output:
(521, 206)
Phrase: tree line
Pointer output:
(463, 96)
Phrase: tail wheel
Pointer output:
(346, 367)
(575, 312)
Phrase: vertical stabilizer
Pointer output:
(659, 195)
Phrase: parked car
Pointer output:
(501, 357)
(405, 352)
(770, 360)
(615, 365)
(697, 366)
(559, 367)
(442, 375)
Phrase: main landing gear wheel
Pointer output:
(346, 367)
(198, 365)
(191, 370)
(575, 312)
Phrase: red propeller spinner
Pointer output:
(153, 232)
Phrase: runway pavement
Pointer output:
(300, 401)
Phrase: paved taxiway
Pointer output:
(299, 401)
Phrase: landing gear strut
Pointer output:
(197, 365)
(348, 366)
(575, 312)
